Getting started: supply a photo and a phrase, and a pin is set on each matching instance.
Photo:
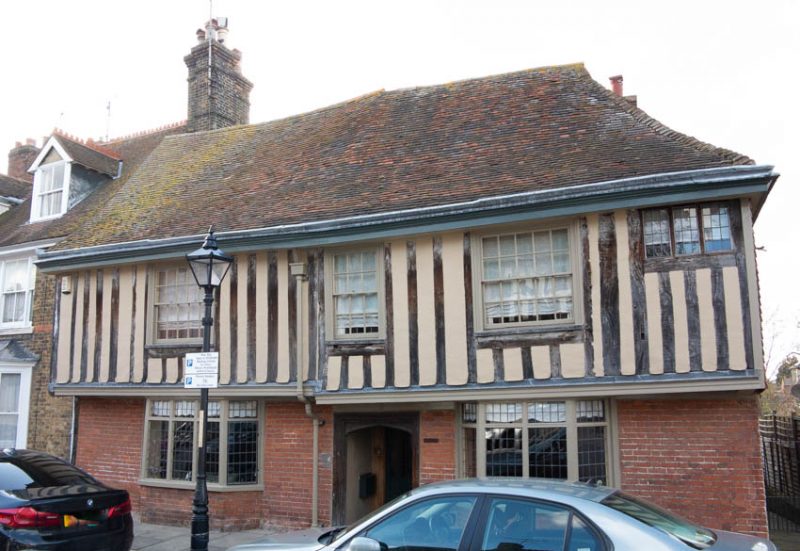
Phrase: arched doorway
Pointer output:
(376, 460)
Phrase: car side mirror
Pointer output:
(364, 544)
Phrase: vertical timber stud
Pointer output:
(609, 295)
(438, 299)
(292, 289)
(720, 322)
(251, 318)
(272, 319)
(667, 321)
(638, 299)
(413, 327)
(132, 359)
(472, 363)
(98, 326)
(388, 301)
(693, 319)
(588, 329)
(233, 308)
(73, 315)
(56, 331)
(114, 336)
(85, 321)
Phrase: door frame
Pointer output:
(346, 423)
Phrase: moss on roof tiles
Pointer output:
(530, 130)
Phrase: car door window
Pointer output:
(518, 525)
(435, 524)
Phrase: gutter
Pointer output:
(638, 192)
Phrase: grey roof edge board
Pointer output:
(641, 191)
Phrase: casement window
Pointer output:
(527, 278)
(50, 190)
(567, 439)
(15, 389)
(177, 306)
(355, 294)
(232, 448)
(17, 280)
(687, 230)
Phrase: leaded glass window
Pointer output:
(232, 445)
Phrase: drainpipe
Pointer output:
(298, 270)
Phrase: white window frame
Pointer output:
(38, 182)
(223, 419)
(481, 425)
(153, 309)
(23, 409)
(330, 299)
(30, 279)
(481, 323)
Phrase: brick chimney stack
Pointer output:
(226, 101)
(20, 159)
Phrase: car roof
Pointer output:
(523, 487)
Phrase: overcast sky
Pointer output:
(725, 72)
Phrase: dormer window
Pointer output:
(67, 171)
(50, 185)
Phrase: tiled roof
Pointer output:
(532, 130)
(12, 187)
(90, 155)
(15, 228)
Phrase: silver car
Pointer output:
(514, 515)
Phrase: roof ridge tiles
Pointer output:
(149, 131)
(88, 143)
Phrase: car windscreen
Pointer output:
(653, 515)
(28, 472)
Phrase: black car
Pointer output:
(47, 503)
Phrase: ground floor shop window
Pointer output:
(566, 439)
(232, 446)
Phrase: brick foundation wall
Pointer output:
(699, 458)
(110, 438)
(437, 452)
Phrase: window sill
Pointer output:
(27, 330)
(529, 336)
(191, 486)
(171, 350)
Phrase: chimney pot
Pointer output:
(30, 141)
(616, 84)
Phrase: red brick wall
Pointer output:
(437, 452)
(699, 458)
(288, 468)
(110, 437)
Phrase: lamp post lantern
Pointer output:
(209, 266)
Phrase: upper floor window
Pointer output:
(50, 190)
(356, 294)
(178, 306)
(527, 278)
(687, 230)
(17, 277)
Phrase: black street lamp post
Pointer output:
(209, 266)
